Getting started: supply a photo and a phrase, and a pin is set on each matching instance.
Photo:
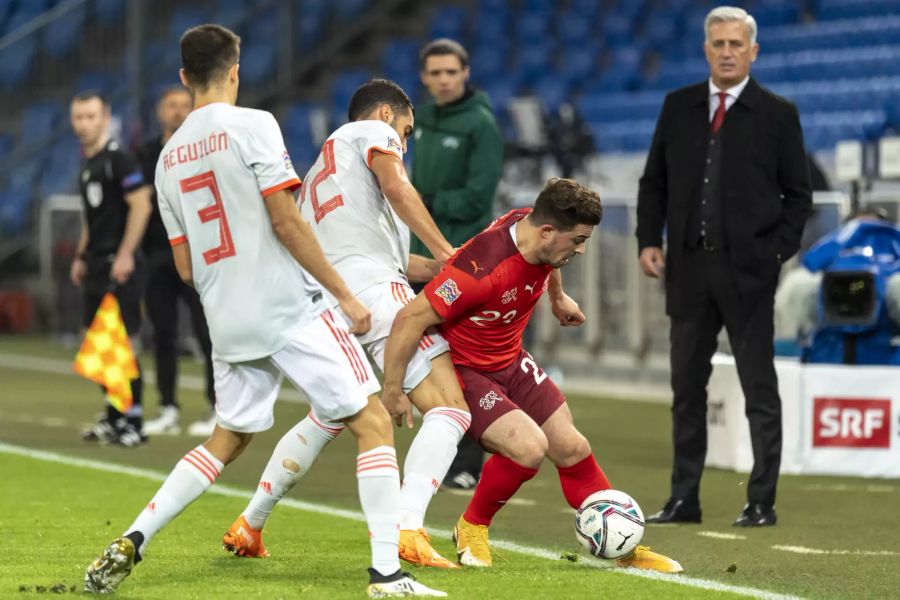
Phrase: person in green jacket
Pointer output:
(457, 163)
(458, 152)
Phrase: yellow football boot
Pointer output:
(644, 558)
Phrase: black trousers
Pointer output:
(164, 289)
(96, 285)
(713, 301)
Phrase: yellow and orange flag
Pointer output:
(106, 356)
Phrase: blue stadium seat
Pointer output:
(39, 121)
(449, 22)
(60, 173)
(258, 62)
(347, 9)
(342, 89)
(109, 12)
(61, 34)
(551, 90)
(400, 56)
(15, 62)
(183, 18)
(105, 82)
(15, 206)
(573, 29)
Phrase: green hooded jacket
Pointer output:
(457, 163)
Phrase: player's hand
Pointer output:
(398, 406)
(443, 257)
(122, 268)
(78, 271)
(359, 316)
(653, 262)
(567, 311)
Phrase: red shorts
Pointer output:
(522, 385)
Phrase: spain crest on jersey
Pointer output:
(448, 292)
(395, 144)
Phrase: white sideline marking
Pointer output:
(845, 487)
(721, 536)
(544, 553)
(805, 550)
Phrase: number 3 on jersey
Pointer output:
(210, 213)
(329, 168)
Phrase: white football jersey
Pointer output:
(211, 179)
(360, 233)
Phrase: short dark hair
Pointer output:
(565, 203)
(373, 94)
(207, 52)
(86, 95)
(442, 47)
(172, 89)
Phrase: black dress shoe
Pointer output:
(677, 511)
(756, 515)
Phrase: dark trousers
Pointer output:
(164, 289)
(713, 301)
(96, 285)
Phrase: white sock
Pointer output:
(428, 460)
(293, 457)
(379, 495)
(192, 476)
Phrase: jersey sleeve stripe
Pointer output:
(381, 151)
(177, 241)
(293, 184)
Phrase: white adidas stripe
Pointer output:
(544, 553)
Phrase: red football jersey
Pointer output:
(486, 293)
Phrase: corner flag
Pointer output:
(106, 356)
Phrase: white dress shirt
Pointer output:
(733, 93)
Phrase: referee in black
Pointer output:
(165, 287)
(117, 206)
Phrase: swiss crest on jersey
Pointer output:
(448, 292)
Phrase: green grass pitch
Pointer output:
(56, 517)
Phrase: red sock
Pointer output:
(581, 480)
(500, 479)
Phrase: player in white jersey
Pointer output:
(361, 205)
(225, 185)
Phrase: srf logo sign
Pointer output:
(851, 422)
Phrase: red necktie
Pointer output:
(719, 117)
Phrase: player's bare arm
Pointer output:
(296, 235)
(421, 269)
(564, 308)
(406, 332)
(407, 203)
(139, 209)
(78, 271)
(182, 255)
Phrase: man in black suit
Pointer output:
(727, 178)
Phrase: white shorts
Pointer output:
(385, 300)
(323, 360)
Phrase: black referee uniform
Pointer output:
(164, 288)
(106, 178)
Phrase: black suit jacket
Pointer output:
(765, 186)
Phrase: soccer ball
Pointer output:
(609, 524)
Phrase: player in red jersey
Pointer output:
(481, 302)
